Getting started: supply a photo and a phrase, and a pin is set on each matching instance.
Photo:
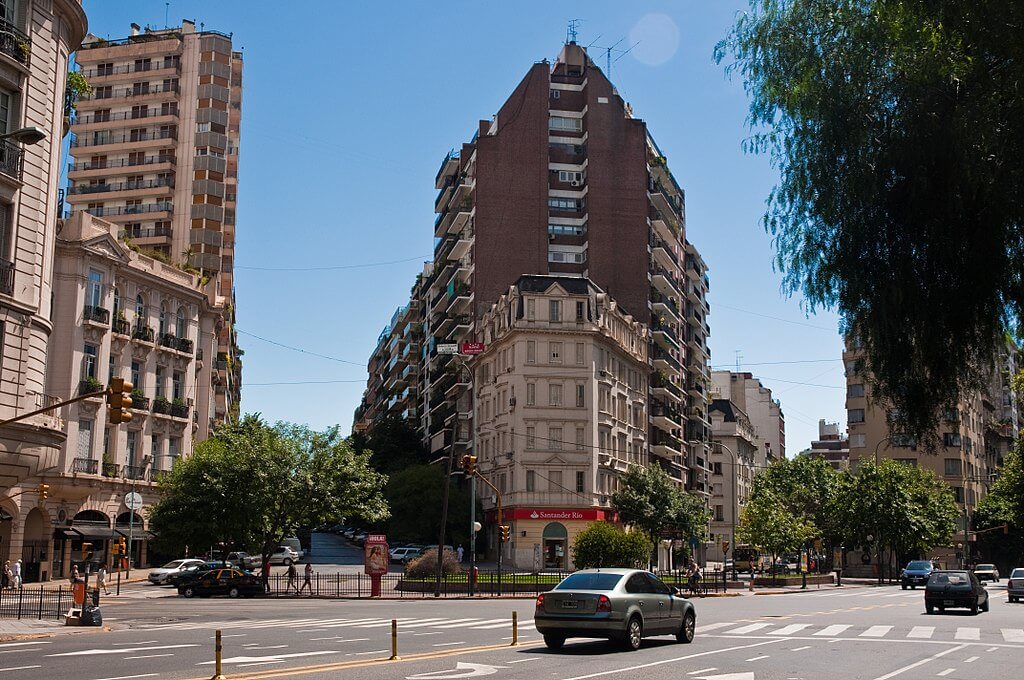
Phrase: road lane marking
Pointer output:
(921, 632)
(22, 649)
(147, 656)
(93, 652)
(427, 622)
(714, 626)
(376, 651)
(968, 634)
(832, 631)
(800, 649)
(500, 622)
(703, 670)
(876, 631)
(1013, 634)
(269, 657)
(338, 638)
(991, 649)
(758, 658)
(747, 629)
(945, 672)
(922, 662)
(144, 642)
(258, 663)
(790, 629)
(532, 658)
(449, 644)
(505, 623)
(971, 659)
(25, 644)
(266, 647)
(128, 677)
(673, 660)
(436, 632)
(18, 668)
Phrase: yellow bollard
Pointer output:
(515, 629)
(394, 640)
(217, 657)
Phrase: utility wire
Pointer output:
(775, 318)
(297, 349)
(776, 363)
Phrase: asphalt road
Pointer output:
(863, 632)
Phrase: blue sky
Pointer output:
(348, 110)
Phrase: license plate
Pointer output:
(947, 603)
(570, 604)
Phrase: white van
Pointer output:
(293, 543)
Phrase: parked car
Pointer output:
(294, 543)
(159, 576)
(230, 582)
(349, 533)
(623, 605)
(1015, 586)
(986, 572)
(284, 555)
(403, 555)
(955, 589)
(188, 573)
(244, 560)
(916, 574)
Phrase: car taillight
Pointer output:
(540, 601)
(604, 604)
(1009, 584)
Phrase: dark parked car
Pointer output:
(955, 589)
(916, 574)
(187, 574)
(230, 582)
(623, 605)
(1015, 586)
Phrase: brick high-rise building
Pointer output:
(156, 152)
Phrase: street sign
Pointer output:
(472, 348)
(448, 349)
(133, 501)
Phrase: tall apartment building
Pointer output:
(764, 411)
(733, 467)
(830, 446)
(36, 40)
(561, 402)
(974, 436)
(156, 149)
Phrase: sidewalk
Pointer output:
(27, 629)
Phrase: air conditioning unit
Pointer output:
(575, 183)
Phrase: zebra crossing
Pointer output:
(837, 630)
(412, 624)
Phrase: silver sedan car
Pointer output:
(623, 605)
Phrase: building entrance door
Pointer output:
(555, 543)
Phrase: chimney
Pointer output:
(188, 26)
(135, 29)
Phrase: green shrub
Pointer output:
(425, 565)
(605, 545)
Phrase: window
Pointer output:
(133, 437)
(580, 439)
(531, 437)
(567, 256)
(556, 94)
(566, 230)
(581, 309)
(555, 481)
(569, 176)
(581, 392)
(177, 385)
(106, 69)
(531, 480)
(161, 382)
(140, 309)
(855, 415)
(110, 369)
(531, 310)
(555, 394)
(102, 92)
(951, 439)
(555, 310)
(140, 111)
(531, 394)
(565, 204)
(563, 123)
(581, 480)
(5, 232)
(579, 353)
(140, 88)
(95, 288)
(958, 493)
(716, 468)
(953, 467)
(85, 439)
(163, 319)
(143, 64)
(5, 111)
(857, 441)
(903, 441)
(555, 349)
(181, 325)
(719, 513)
(154, 450)
(89, 361)
(531, 351)
(853, 391)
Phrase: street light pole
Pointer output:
(878, 546)
(472, 479)
(733, 506)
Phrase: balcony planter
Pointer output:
(184, 345)
(139, 401)
(143, 333)
(91, 386)
(86, 466)
(161, 405)
(97, 314)
(169, 340)
(121, 326)
(111, 469)
(179, 409)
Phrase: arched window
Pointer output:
(163, 318)
(140, 309)
(181, 327)
(117, 302)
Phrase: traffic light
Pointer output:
(114, 548)
(469, 464)
(505, 532)
(86, 551)
(44, 490)
(122, 549)
(119, 401)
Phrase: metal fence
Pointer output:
(42, 603)
(488, 584)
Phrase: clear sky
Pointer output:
(348, 109)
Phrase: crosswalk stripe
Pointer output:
(382, 623)
(707, 627)
(1013, 634)
(876, 631)
(493, 626)
(457, 622)
(832, 631)
(424, 622)
(921, 632)
(968, 633)
(790, 629)
(748, 628)
(474, 623)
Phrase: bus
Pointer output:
(745, 558)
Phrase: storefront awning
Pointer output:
(136, 534)
(99, 533)
(67, 534)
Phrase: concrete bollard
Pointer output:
(218, 654)
(394, 640)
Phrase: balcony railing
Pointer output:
(135, 472)
(133, 91)
(90, 386)
(122, 327)
(660, 382)
(144, 333)
(146, 232)
(179, 410)
(130, 68)
(6, 277)
(122, 186)
(14, 43)
(161, 405)
(139, 402)
(111, 470)
(163, 206)
(121, 163)
(11, 155)
(661, 355)
(124, 115)
(86, 466)
(174, 342)
(97, 314)
(103, 140)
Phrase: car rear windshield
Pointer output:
(986, 567)
(920, 564)
(953, 578)
(173, 565)
(589, 582)
(1017, 573)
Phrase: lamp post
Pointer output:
(26, 135)
(878, 547)
(472, 479)
(734, 505)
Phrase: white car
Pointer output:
(159, 576)
(284, 555)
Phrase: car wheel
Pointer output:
(688, 629)
(189, 592)
(633, 634)
(974, 608)
(903, 586)
(287, 561)
(233, 593)
(929, 609)
(554, 641)
(984, 607)
(913, 587)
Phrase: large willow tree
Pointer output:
(897, 127)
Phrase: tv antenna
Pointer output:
(571, 32)
(608, 53)
(739, 357)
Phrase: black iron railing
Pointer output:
(40, 603)
(6, 277)
(97, 314)
(86, 466)
(14, 43)
(11, 156)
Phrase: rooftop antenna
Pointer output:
(608, 54)
(167, 11)
(739, 357)
(570, 34)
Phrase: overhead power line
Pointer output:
(300, 350)
(775, 318)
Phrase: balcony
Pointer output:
(162, 406)
(121, 327)
(449, 166)
(663, 388)
(133, 92)
(142, 333)
(111, 470)
(122, 163)
(665, 336)
(172, 341)
(666, 446)
(663, 254)
(665, 283)
(665, 306)
(139, 402)
(14, 43)
(179, 409)
(461, 248)
(6, 277)
(85, 466)
(99, 118)
(108, 140)
(120, 211)
(145, 67)
(146, 232)
(666, 417)
(96, 315)
(91, 386)
(135, 472)
(571, 154)
(11, 156)
(663, 361)
(121, 186)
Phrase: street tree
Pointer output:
(414, 497)
(650, 500)
(252, 484)
(896, 129)
(393, 445)
(808, 488)
(767, 523)
(1004, 505)
(605, 545)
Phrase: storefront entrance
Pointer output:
(555, 545)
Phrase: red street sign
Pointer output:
(472, 348)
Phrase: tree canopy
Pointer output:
(806, 487)
(896, 129)
(1004, 504)
(414, 497)
(650, 500)
(767, 523)
(252, 484)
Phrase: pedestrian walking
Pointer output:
(307, 575)
(292, 575)
(17, 574)
(75, 577)
(8, 575)
(460, 552)
(101, 579)
(265, 575)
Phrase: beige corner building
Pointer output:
(36, 40)
(562, 412)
